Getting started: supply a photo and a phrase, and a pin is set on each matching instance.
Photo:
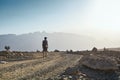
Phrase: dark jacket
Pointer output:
(45, 44)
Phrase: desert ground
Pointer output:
(56, 66)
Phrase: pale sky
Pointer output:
(96, 18)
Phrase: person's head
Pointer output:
(45, 38)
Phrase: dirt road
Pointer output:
(38, 69)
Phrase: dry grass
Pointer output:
(40, 68)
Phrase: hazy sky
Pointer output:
(97, 18)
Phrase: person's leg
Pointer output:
(46, 54)
(43, 54)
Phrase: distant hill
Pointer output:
(33, 41)
(114, 49)
(110, 49)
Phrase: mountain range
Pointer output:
(56, 40)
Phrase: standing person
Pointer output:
(45, 47)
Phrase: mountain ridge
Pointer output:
(57, 40)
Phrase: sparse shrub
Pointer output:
(7, 48)
(105, 49)
(71, 51)
(56, 50)
(67, 51)
(94, 49)
(37, 51)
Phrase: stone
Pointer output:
(72, 71)
(65, 78)
(3, 62)
(81, 77)
(99, 62)
(70, 77)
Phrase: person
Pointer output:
(45, 47)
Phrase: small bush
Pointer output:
(56, 50)
(94, 49)
(7, 48)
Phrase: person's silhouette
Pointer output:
(45, 46)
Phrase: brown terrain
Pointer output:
(80, 65)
